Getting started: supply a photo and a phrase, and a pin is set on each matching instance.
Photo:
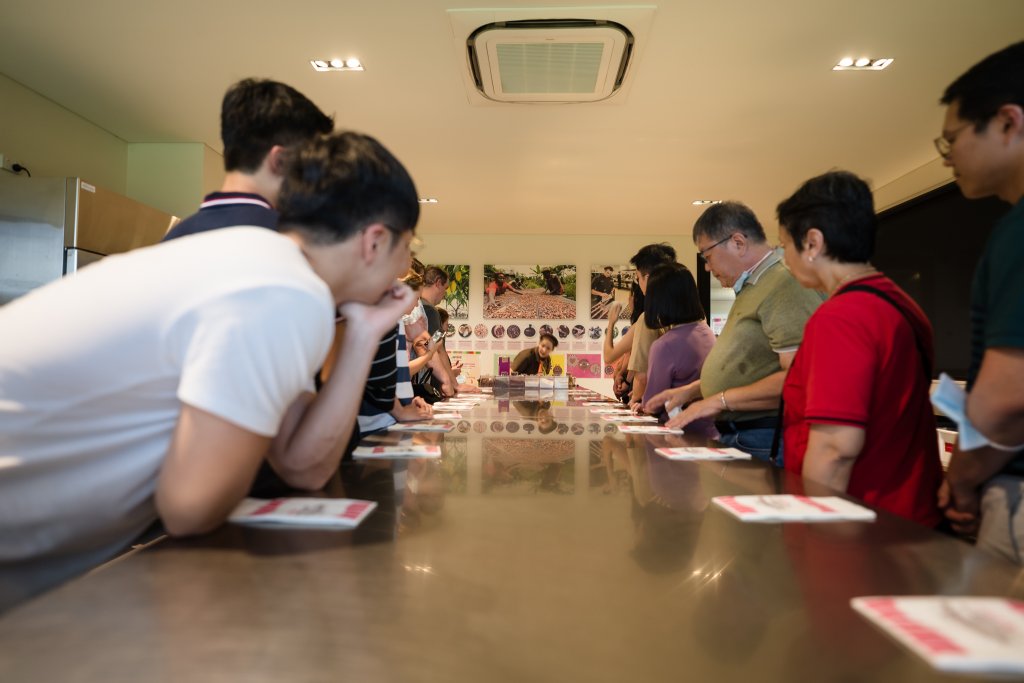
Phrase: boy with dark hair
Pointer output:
(983, 142)
(259, 120)
(165, 404)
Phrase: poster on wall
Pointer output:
(610, 284)
(456, 297)
(585, 365)
(523, 292)
(470, 363)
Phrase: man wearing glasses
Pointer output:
(741, 380)
(983, 142)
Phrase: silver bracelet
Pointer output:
(724, 404)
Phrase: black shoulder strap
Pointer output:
(925, 364)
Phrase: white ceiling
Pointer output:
(729, 99)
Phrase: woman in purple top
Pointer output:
(672, 304)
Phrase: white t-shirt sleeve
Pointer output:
(248, 355)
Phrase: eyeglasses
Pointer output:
(703, 253)
(944, 143)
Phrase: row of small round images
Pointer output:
(514, 331)
(480, 427)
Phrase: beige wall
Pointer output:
(53, 142)
(172, 177)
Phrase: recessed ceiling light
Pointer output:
(428, 200)
(336, 64)
(862, 64)
(702, 202)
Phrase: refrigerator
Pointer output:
(51, 227)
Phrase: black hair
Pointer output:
(432, 275)
(258, 114)
(545, 335)
(994, 81)
(672, 297)
(720, 221)
(638, 303)
(840, 205)
(651, 256)
(442, 314)
(337, 185)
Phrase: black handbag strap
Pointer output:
(925, 363)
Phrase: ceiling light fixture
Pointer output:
(350, 64)
(862, 64)
(428, 200)
(702, 202)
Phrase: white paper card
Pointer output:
(648, 429)
(629, 418)
(957, 634)
(424, 426)
(701, 453)
(337, 513)
(409, 451)
(789, 508)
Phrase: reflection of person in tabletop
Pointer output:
(552, 284)
(539, 411)
(423, 498)
(536, 361)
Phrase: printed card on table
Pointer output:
(611, 411)
(600, 404)
(701, 453)
(424, 426)
(404, 451)
(336, 513)
(789, 508)
(649, 429)
(626, 419)
(447, 414)
(952, 633)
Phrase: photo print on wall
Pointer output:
(456, 297)
(522, 292)
(610, 284)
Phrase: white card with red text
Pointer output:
(953, 633)
(701, 452)
(424, 426)
(790, 508)
(649, 429)
(335, 513)
(627, 419)
(405, 451)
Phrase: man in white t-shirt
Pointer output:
(153, 383)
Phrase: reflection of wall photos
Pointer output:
(608, 284)
(521, 292)
(456, 297)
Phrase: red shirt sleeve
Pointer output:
(842, 363)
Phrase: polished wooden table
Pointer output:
(543, 546)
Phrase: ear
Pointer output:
(740, 240)
(1010, 120)
(814, 243)
(275, 160)
(375, 241)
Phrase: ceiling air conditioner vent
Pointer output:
(549, 60)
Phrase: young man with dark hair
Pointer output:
(193, 361)
(536, 361)
(983, 142)
(259, 121)
(741, 380)
(645, 260)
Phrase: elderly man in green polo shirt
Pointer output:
(741, 381)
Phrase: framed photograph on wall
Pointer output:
(611, 284)
(525, 292)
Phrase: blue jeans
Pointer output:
(757, 442)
